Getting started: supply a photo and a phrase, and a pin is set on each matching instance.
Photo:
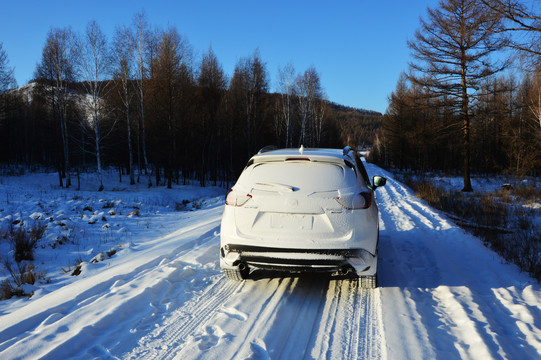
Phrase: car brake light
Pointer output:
(235, 198)
(298, 159)
(356, 201)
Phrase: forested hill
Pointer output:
(359, 124)
(348, 109)
(342, 125)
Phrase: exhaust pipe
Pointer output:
(242, 266)
(344, 270)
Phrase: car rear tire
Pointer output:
(369, 282)
(236, 274)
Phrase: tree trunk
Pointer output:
(466, 130)
(132, 178)
(98, 153)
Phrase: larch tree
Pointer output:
(250, 84)
(7, 79)
(522, 19)
(522, 25)
(212, 83)
(453, 50)
(171, 68)
(396, 121)
(94, 69)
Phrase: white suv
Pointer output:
(302, 210)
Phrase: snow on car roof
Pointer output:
(313, 154)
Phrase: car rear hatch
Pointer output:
(294, 201)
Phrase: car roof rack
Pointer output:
(346, 150)
(267, 148)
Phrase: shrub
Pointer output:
(7, 291)
(24, 241)
(529, 193)
(22, 274)
(181, 206)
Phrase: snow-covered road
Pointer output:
(442, 295)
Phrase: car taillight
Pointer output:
(356, 201)
(235, 198)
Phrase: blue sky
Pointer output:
(357, 46)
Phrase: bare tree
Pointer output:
(57, 70)
(142, 60)
(533, 102)
(320, 112)
(250, 83)
(307, 91)
(452, 49)
(7, 79)
(286, 77)
(172, 71)
(212, 84)
(94, 68)
(123, 47)
(522, 23)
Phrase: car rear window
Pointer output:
(308, 176)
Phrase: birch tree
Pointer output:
(533, 103)
(94, 68)
(307, 91)
(123, 47)
(142, 60)
(319, 113)
(56, 71)
(286, 77)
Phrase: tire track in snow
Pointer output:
(305, 316)
(250, 336)
(169, 336)
(352, 323)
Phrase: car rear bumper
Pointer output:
(299, 259)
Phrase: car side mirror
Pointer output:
(378, 181)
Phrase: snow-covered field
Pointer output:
(442, 294)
